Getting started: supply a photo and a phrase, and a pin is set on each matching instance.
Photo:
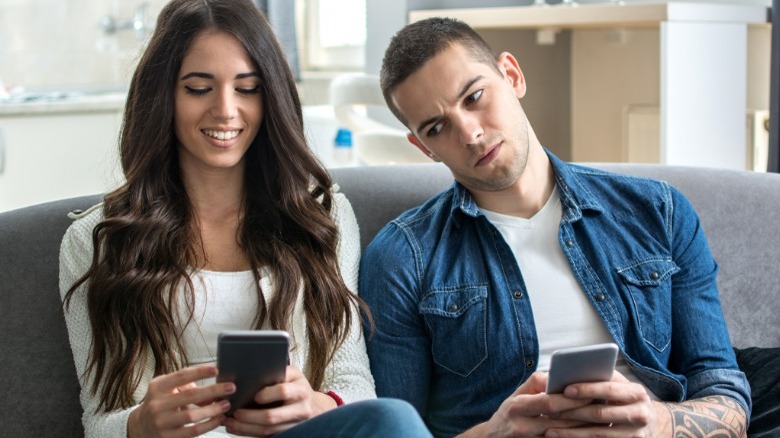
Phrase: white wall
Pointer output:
(52, 43)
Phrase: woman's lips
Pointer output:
(222, 138)
(220, 134)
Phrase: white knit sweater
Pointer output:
(348, 374)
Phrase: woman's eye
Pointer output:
(435, 130)
(249, 91)
(196, 91)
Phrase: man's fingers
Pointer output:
(613, 392)
(543, 404)
(535, 384)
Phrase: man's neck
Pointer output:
(528, 194)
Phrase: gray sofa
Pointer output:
(740, 212)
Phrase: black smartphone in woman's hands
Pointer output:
(252, 359)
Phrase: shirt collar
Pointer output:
(575, 194)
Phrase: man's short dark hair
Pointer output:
(419, 42)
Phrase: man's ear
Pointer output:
(416, 141)
(508, 66)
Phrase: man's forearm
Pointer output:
(716, 416)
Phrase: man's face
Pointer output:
(467, 115)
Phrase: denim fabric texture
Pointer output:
(378, 418)
(455, 334)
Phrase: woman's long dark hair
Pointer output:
(147, 243)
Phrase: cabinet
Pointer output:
(594, 69)
(50, 155)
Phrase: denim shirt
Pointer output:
(454, 331)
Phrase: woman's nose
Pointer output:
(224, 107)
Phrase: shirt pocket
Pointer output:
(649, 283)
(456, 320)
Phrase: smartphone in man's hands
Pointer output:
(252, 359)
(592, 363)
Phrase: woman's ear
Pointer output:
(508, 66)
(416, 141)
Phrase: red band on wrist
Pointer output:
(336, 398)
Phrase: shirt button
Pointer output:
(529, 363)
(518, 294)
(654, 275)
(569, 242)
(600, 297)
(452, 307)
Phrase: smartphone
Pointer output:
(252, 359)
(593, 363)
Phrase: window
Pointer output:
(333, 34)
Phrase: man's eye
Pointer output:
(197, 91)
(249, 91)
(435, 129)
(473, 97)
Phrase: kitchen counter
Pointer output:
(64, 103)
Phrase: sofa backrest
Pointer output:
(738, 211)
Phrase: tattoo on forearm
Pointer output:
(712, 417)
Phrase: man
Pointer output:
(525, 254)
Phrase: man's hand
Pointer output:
(630, 412)
(529, 411)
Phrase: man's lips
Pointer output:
(490, 154)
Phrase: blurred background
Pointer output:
(643, 81)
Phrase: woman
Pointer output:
(226, 221)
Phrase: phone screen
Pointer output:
(252, 359)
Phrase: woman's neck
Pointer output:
(216, 196)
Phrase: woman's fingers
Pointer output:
(170, 382)
(236, 427)
(176, 390)
(194, 415)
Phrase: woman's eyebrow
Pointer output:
(197, 74)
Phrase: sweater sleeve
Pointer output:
(349, 373)
(75, 259)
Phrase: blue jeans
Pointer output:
(380, 418)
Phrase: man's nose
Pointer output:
(469, 129)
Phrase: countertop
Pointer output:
(57, 103)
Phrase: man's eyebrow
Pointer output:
(197, 74)
(460, 96)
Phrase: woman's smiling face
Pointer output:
(218, 103)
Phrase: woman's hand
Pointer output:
(300, 402)
(175, 407)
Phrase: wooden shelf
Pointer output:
(694, 54)
(595, 15)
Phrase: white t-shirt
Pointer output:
(563, 315)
